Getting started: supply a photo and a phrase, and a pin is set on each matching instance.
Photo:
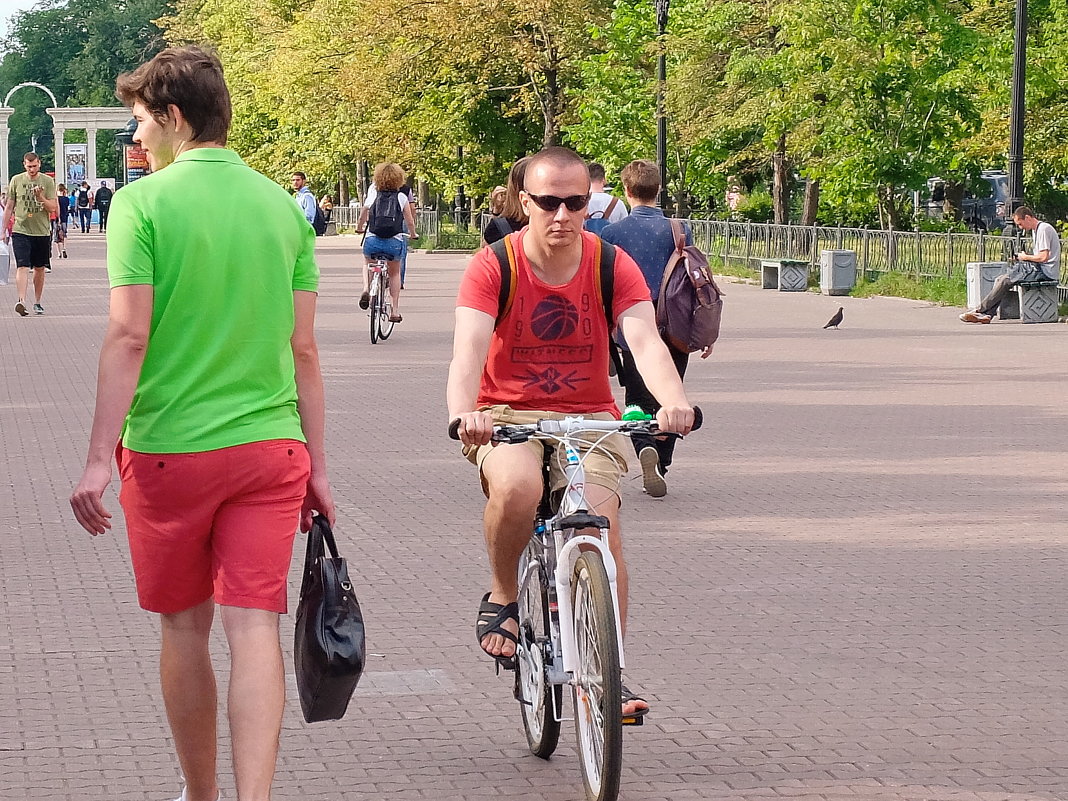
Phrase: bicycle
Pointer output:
(381, 304)
(569, 626)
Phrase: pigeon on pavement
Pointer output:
(834, 321)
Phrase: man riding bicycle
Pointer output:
(547, 356)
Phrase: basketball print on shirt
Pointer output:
(554, 323)
(554, 318)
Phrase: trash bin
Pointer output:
(838, 271)
(786, 275)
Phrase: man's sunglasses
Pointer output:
(552, 202)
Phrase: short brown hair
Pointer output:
(596, 171)
(30, 157)
(1023, 211)
(389, 177)
(641, 180)
(512, 208)
(188, 78)
(560, 157)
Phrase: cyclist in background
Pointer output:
(384, 214)
(548, 357)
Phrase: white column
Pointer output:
(4, 177)
(90, 160)
(5, 115)
(58, 133)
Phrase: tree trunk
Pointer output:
(780, 192)
(888, 208)
(550, 106)
(952, 205)
(812, 202)
(342, 189)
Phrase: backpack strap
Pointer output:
(502, 225)
(504, 250)
(604, 264)
(611, 207)
(676, 255)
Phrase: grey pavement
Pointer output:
(855, 588)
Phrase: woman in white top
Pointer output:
(384, 213)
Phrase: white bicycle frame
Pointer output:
(567, 550)
(377, 268)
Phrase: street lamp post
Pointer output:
(661, 90)
(1019, 108)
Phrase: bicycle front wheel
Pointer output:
(539, 700)
(597, 683)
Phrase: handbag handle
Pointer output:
(321, 528)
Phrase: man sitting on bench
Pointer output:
(1043, 265)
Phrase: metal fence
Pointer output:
(923, 255)
(427, 222)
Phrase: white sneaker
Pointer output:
(652, 479)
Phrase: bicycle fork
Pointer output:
(568, 551)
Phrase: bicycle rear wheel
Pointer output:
(385, 327)
(539, 701)
(597, 687)
(376, 306)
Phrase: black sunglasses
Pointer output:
(552, 202)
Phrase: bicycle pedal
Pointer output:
(637, 720)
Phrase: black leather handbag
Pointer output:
(328, 643)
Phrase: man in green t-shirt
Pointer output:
(215, 400)
(31, 197)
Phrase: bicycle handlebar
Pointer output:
(523, 432)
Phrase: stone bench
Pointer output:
(1039, 301)
(785, 275)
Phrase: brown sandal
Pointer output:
(395, 318)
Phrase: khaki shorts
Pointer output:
(603, 469)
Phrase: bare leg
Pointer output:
(512, 474)
(188, 683)
(257, 698)
(367, 276)
(394, 268)
(22, 281)
(38, 283)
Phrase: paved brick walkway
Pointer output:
(854, 590)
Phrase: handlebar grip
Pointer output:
(698, 418)
(454, 429)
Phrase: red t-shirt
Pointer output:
(550, 352)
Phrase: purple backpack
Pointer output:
(690, 306)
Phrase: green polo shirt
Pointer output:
(223, 248)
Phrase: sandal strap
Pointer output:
(491, 616)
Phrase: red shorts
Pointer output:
(216, 523)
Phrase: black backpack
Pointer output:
(103, 196)
(319, 223)
(83, 198)
(386, 219)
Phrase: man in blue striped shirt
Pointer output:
(646, 235)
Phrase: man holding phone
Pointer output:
(31, 198)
